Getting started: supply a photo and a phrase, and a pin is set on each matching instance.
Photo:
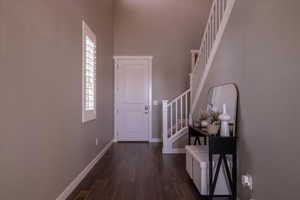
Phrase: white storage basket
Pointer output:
(197, 162)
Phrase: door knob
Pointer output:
(146, 109)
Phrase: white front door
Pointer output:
(132, 98)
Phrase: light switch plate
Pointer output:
(155, 103)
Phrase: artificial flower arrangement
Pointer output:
(209, 120)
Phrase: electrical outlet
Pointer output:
(247, 181)
(96, 141)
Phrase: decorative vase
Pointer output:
(224, 118)
(197, 124)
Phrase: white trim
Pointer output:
(115, 140)
(116, 59)
(158, 140)
(174, 151)
(178, 135)
(150, 58)
(195, 51)
(133, 57)
(168, 144)
(70, 188)
(115, 100)
(131, 140)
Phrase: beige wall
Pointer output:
(166, 30)
(43, 144)
(260, 53)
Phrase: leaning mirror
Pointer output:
(225, 97)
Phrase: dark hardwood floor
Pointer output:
(139, 171)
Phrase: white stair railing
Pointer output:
(175, 119)
(177, 114)
(217, 21)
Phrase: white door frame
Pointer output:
(116, 62)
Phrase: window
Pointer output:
(88, 74)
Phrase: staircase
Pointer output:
(177, 114)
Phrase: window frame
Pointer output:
(88, 115)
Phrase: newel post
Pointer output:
(165, 125)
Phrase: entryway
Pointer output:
(133, 98)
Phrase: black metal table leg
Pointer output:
(197, 139)
(222, 147)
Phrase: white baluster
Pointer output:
(204, 50)
(223, 7)
(207, 47)
(176, 117)
(219, 13)
(215, 21)
(181, 124)
(206, 54)
(213, 24)
(209, 37)
(171, 116)
(211, 33)
(186, 109)
(192, 61)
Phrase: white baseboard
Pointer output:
(174, 151)
(70, 188)
(155, 140)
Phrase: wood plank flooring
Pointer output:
(139, 171)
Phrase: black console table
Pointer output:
(197, 133)
(225, 149)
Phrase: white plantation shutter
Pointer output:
(89, 74)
